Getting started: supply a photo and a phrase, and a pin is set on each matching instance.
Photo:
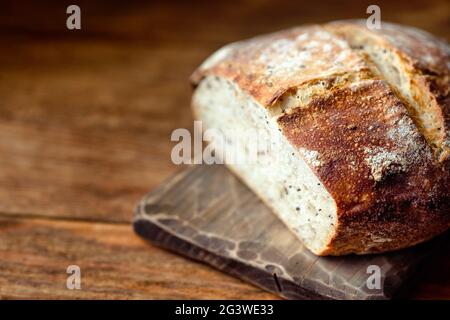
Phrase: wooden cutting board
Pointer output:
(207, 214)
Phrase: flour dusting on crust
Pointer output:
(310, 156)
(407, 150)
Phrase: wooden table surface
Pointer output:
(85, 124)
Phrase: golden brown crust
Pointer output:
(389, 190)
(266, 67)
(426, 61)
(375, 164)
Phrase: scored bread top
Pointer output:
(421, 50)
(417, 66)
(355, 129)
(268, 66)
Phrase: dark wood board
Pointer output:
(207, 214)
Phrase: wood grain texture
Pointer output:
(207, 214)
(114, 263)
(86, 117)
(76, 130)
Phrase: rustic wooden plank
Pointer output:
(207, 214)
(204, 21)
(114, 263)
(73, 119)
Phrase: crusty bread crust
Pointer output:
(390, 186)
(424, 63)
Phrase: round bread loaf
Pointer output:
(358, 123)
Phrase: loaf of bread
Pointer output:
(358, 123)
